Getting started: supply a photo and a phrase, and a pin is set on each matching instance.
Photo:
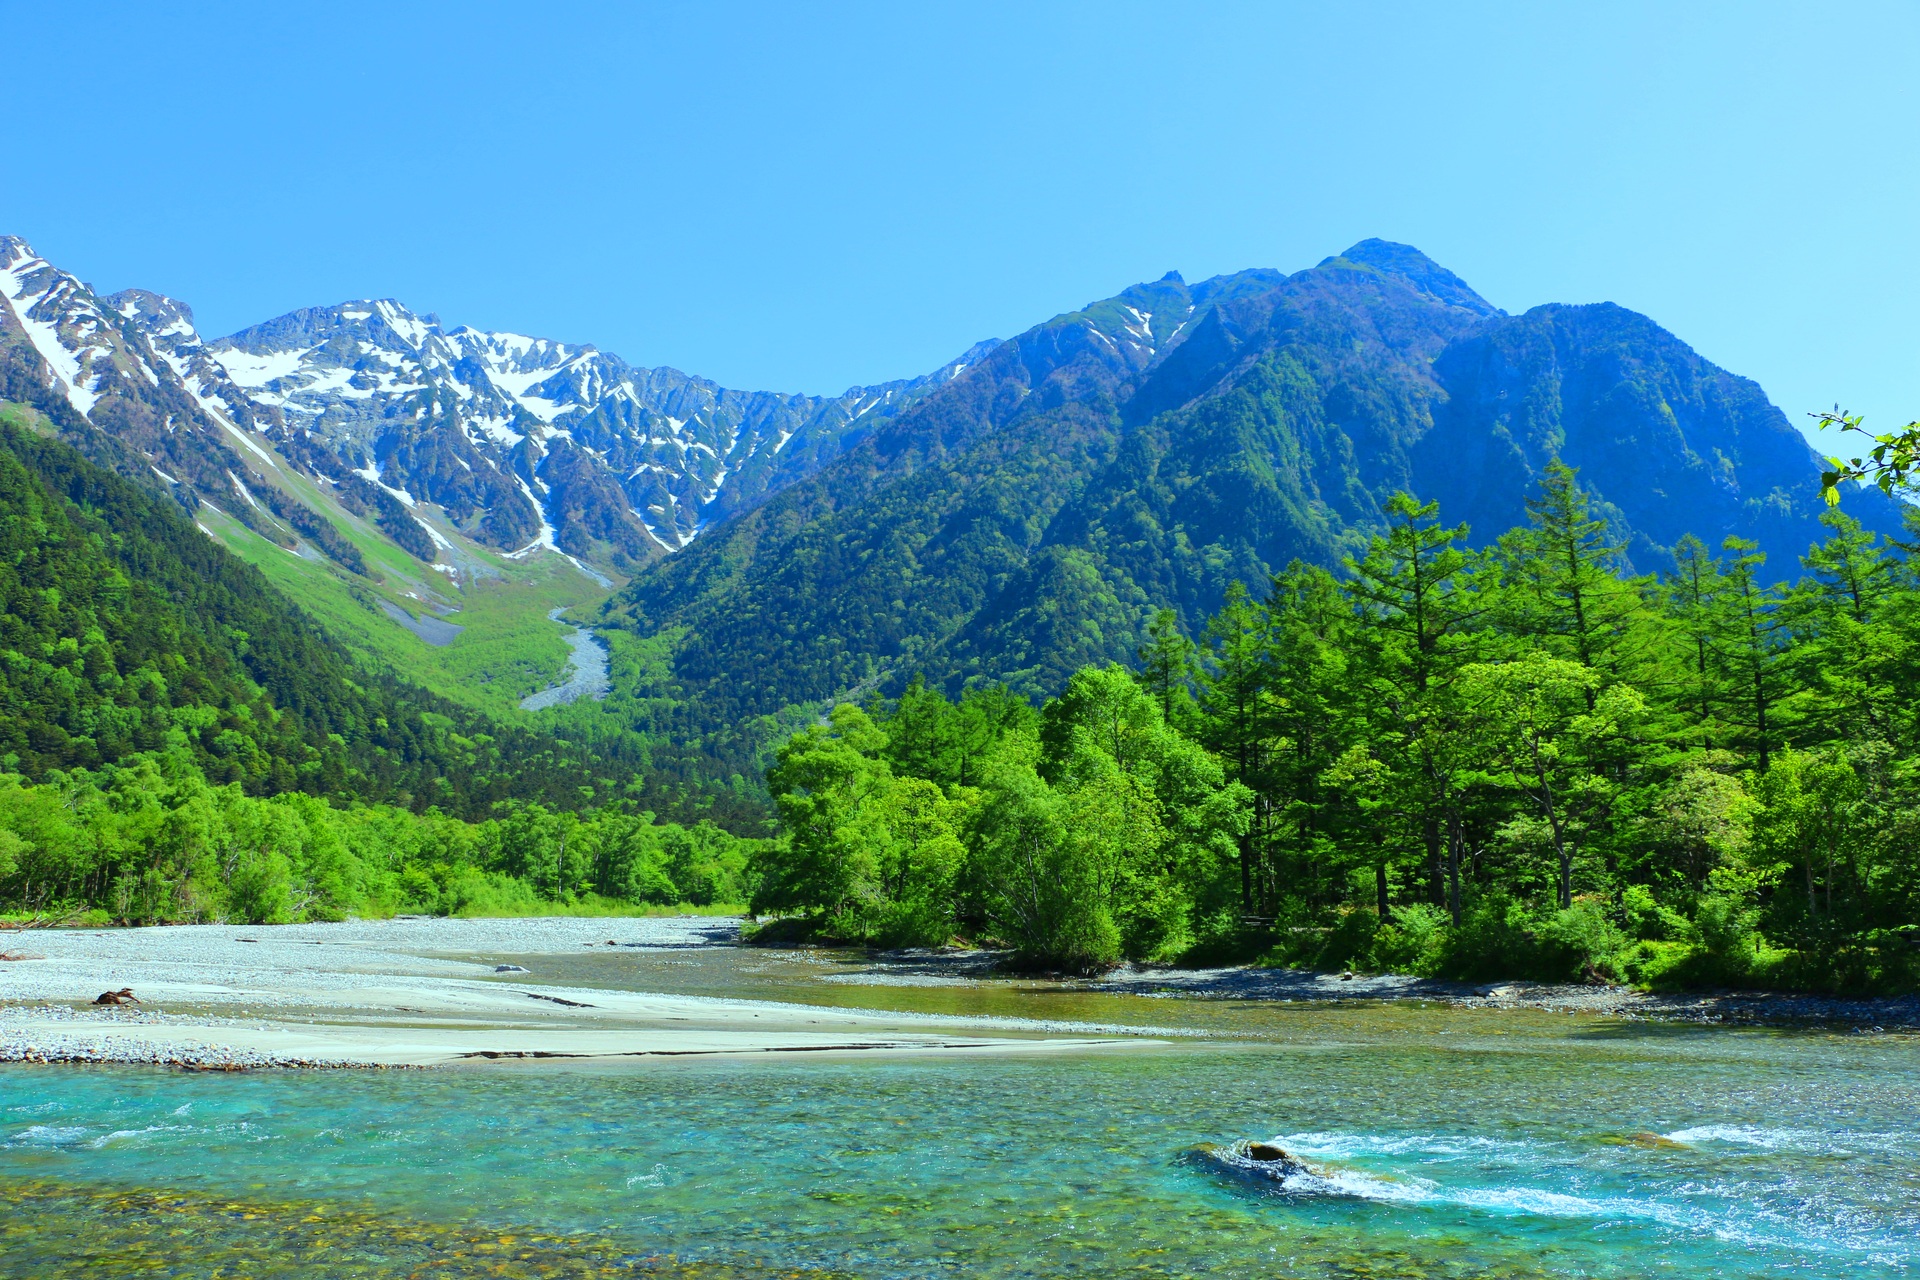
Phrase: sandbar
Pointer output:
(411, 993)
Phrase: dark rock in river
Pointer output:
(1256, 1159)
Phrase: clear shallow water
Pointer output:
(1449, 1143)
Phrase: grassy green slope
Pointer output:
(507, 647)
(129, 633)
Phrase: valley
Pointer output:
(1010, 516)
(997, 642)
(602, 637)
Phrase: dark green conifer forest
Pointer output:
(1472, 763)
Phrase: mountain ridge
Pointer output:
(638, 461)
(521, 442)
(1027, 519)
(1010, 516)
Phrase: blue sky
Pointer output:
(802, 199)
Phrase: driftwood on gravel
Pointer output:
(42, 920)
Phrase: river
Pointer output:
(586, 672)
(1448, 1142)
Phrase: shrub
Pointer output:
(1411, 941)
(1580, 942)
(260, 891)
(1349, 943)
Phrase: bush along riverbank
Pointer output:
(152, 841)
(1522, 761)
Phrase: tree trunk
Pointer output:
(1246, 873)
(1453, 868)
(1437, 883)
(1560, 850)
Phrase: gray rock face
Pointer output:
(523, 442)
(126, 379)
(600, 457)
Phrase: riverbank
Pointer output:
(422, 992)
(418, 993)
(1248, 982)
(1752, 1008)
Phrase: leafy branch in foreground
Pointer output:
(1895, 457)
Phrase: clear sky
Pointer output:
(801, 197)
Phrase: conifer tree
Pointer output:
(1692, 594)
(1842, 641)
(1233, 688)
(1753, 651)
(1309, 717)
(1562, 572)
(1166, 665)
(1420, 597)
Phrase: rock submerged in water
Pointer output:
(1254, 1159)
(1275, 1162)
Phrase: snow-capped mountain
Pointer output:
(131, 366)
(610, 457)
(521, 442)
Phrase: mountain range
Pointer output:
(516, 442)
(1155, 447)
(1015, 513)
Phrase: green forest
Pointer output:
(153, 841)
(1510, 761)
(1517, 759)
(128, 631)
(178, 742)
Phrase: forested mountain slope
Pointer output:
(1013, 515)
(128, 631)
(429, 494)
(1028, 517)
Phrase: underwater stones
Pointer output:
(1263, 1152)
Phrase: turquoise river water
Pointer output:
(1449, 1143)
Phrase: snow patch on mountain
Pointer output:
(40, 298)
(523, 442)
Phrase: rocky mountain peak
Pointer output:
(521, 441)
(1404, 262)
(164, 320)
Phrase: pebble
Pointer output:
(269, 971)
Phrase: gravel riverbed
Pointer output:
(426, 991)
